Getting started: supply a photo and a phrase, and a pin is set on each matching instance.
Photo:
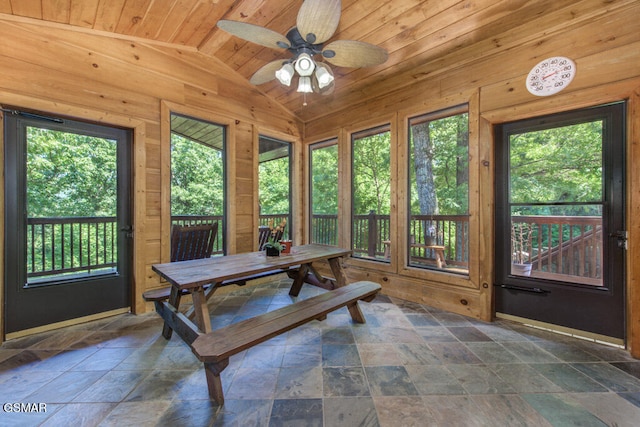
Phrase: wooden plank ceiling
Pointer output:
(424, 38)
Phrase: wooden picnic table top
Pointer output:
(200, 272)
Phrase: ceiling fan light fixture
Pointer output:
(285, 74)
(323, 75)
(305, 65)
(304, 85)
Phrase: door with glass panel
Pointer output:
(560, 227)
(67, 220)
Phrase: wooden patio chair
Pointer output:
(187, 242)
(192, 241)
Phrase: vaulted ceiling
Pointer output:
(424, 38)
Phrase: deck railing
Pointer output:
(275, 220)
(450, 231)
(562, 247)
(567, 248)
(83, 245)
(71, 245)
(371, 231)
(324, 229)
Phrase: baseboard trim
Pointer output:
(589, 336)
(70, 322)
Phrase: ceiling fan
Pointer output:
(317, 21)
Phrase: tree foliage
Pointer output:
(562, 164)
(70, 174)
(197, 178)
(274, 186)
(438, 166)
(324, 178)
(372, 174)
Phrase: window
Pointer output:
(198, 174)
(371, 192)
(274, 181)
(324, 192)
(439, 190)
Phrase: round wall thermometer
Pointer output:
(551, 76)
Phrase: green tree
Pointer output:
(372, 174)
(274, 186)
(557, 165)
(325, 180)
(197, 178)
(70, 174)
(439, 173)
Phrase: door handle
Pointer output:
(621, 236)
(128, 231)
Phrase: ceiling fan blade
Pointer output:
(266, 73)
(354, 54)
(318, 19)
(254, 33)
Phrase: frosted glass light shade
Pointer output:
(304, 85)
(285, 74)
(323, 75)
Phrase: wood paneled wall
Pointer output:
(133, 85)
(607, 54)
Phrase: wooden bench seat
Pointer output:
(215, 348)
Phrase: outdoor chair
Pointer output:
(192, 241)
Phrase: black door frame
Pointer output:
(83, 297)
(530, 298)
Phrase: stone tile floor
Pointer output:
(409, 365)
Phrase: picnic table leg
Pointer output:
(356, 314)
(299, 280)
(201, 311)
(214, 383)
(174, 300)
(208, 293)
(338, 272)
(313, 277)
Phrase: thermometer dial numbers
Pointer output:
(550, 76)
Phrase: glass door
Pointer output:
(560, 220)
(67, 220)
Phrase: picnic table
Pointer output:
(202, 277)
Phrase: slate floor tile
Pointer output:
(408, 365)
(350, 412)
(299, 412)
(348, 381)
(558, 410)
(390, 381)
